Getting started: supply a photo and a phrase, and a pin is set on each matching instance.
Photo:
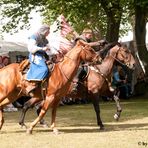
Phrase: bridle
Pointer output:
(122, 63)
(69, 57)
(85, 51)
(82, 47)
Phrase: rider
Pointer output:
(37, 47)
(86, 36)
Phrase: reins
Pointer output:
(119, 60)
(73, 61)
(97, 70)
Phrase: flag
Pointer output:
(61, 36)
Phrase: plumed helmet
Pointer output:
(43, 29)
(87, 30)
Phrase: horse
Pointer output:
(11, 79)
(97, 82)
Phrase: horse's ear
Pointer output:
(82, 43)
(119, 44)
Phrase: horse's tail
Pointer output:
(23, 65)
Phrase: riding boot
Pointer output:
(31, 86)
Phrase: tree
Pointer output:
(114, 12)
(141, 15)
(80, 13)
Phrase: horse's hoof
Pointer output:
(29, 131)
(56, 131)
(116, 117)
(102, 128)
(24, 126)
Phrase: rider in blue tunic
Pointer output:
(37, 47)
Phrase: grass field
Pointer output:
(77, 124)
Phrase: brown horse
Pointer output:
(97, 80)
(96, 83)
(60, 80)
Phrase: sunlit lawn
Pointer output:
(78, 126)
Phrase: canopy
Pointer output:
(13, 50)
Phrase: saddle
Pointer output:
(29, 86)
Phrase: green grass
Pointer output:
(78, 122)
(73, 115)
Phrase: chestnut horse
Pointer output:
(59, 81)
(97, 81)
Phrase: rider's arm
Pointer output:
(98, 43)
(32, 46)
(94, 44)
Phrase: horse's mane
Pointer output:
(103, 52)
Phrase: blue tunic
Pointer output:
(38, 67)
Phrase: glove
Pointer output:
(46, 48)
(103, 42)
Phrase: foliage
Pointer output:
(80, 13)
(15, 14)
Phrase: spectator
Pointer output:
(120, 81)
(5, 60)
(141, 85)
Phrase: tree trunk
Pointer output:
(112, 33)
(140, 35)
(114, 13)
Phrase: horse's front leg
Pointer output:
(53, 118)
(38, 109)
(30, 103)
(2, 104)
(1, 118)
(95, 100)
(48, 101)
(22, 117)
(119, 109)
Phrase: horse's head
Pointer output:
(88, 54)
(124, 56)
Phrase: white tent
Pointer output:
(13, 50)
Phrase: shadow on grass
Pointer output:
(108, 128)
(126, 126)
(86, 129)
